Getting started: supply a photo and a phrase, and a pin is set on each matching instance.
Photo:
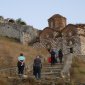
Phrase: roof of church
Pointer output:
(69, 26)
(56, 15)
(80, 25)
(49, 31)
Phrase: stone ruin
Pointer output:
(24, 33)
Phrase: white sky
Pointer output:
(37, 12)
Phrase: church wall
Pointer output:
(76, 45)
(58, 43)
(57, 22)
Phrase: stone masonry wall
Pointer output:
(57, 22)
(8, 30)
(33, 33)
(76, 45)
(57, 43)
(25, 34)
(82, 38)
(25, 38)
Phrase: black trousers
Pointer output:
(37, 71)
(60, 59)
(20, 69)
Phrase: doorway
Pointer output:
(71, 50)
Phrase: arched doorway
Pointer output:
(71, 49)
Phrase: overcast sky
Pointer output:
(37, 12)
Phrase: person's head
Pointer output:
(60, 50)
(21, 54)
(52, 49)
(37, 56)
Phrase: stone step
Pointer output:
(47, 63)
(57, 73)
(50, 77)
(52, 67)
(56, 67)
(49, 70)
(57, 64)
(49, 73)
(18, 77)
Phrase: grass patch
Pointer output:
(10, 50)
(9, 39)
(78, 70)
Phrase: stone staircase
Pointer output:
(52, 72)
(49, 74)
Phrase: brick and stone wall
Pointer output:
(75, 45)
(57, 22)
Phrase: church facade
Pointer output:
(70, 38)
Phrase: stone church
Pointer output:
(68, 37)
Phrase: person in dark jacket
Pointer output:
(60, 55)
(37, 65)
(52, 52)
